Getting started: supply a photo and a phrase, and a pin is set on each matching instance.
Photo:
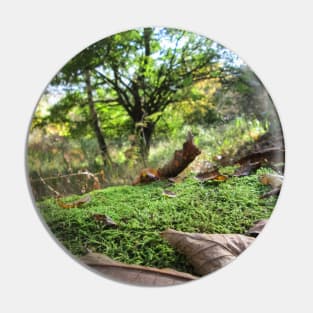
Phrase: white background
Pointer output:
(274, 38)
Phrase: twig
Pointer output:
(63, 176)
(49, 187)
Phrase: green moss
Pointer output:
(141, 212)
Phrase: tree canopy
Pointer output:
(142, 71)
(123, 84)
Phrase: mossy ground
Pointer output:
(141, 212)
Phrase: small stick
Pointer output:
(49, 187)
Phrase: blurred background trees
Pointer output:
(127, 101)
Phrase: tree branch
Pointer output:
(106, 100)
(122, 95)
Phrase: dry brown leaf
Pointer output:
(176, 180)
(257, 228)
(74, 204)
(211, 175)
(105, 220)
(220, 177)
(246, 168)
(147, 175)
(135, 274)
(207, 252)
(182, 158)
(170, 194)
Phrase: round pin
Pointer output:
(155, 156)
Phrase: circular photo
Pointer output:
(155, 156)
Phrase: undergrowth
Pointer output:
(142, 212)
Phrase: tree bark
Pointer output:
(96, 123)
(145, 137)
(145, 131)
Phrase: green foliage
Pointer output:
(132, 77)
(153, 84)
(52, 155)
(221, 139)
(141, 212)
(55, 155)
(225, 139)
(115, 122)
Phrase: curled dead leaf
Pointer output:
(207, 252)
(182, 158)
(105, 220)
(211, 175)
(135, 274)
(147, 175)
(169, 194)
(220, 177)
(246, 168)
(74, 204)
(177, 179)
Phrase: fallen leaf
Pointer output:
(211, 175)
(74, 204)
(207, 252)
(135, 274)
(182, 158)
(257, 228)
(246, 168)
(221, 177)
(177, 179)
(106, 220)
(169, 194)
(147, 175)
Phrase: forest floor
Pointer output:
(141, 212)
